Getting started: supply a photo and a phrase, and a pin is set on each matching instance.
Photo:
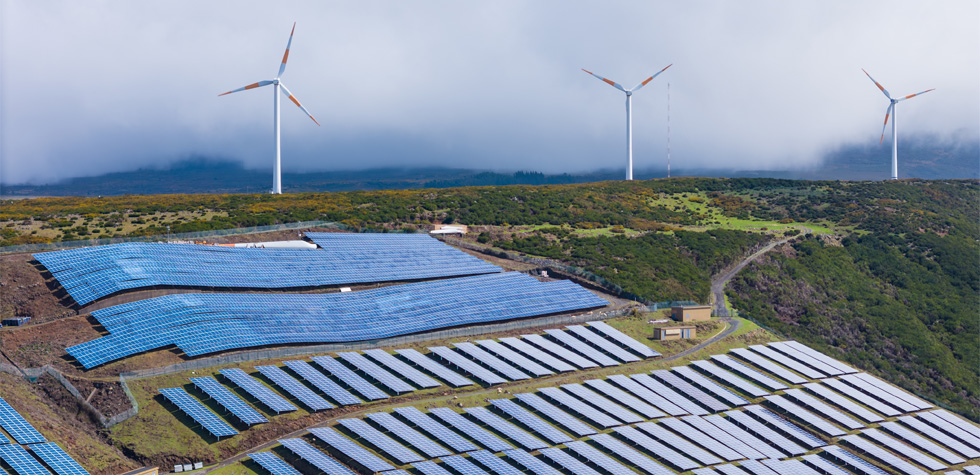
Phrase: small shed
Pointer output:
(673, 333)
(692, 313)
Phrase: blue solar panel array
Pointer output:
(596, 340)
(553, 362)
(206, 323)
(15, 425)
(535, 423)
(561, 417)
(354, 451)
(58, 459)
(275, 465)
(21, 461)
(378, 373)
(444, 434)
(408, 435)
(511, 431)
(250, 385)
(208, 420)
(91, 273)
(350, 378)
(430, 365)
(623, 339)
(382, 442)
(472, 430)
(229, 400)
(294, 388)
(319, 460)
(313, 376)
(402, 368)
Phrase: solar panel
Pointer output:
(430, 468)
(492, 361)
(599, 419)
(842, 402)
(786, 426)
(602, 343)
(18, 428)
(625, 398)
(768, 366)
(704, 471)
(257, 390)
(729, 469)
(972, 469)
(436, 429)
(933, 418)
(323, 383)
(710, 386)
(408, 435)
(376, 372)
(402, 368)
(537, 354)
(647, 395)
(623, 339)
(882, 455)
(326, 464)
(825, 466)
(934, 434)
(730, 378)
(473, 431)
(894, 391)
(910, 453)
(89, 274)
(680, 444)
(581, 347)
(599, 459)
(638, 460)
(756, 468)
(21, 461)
(229, 400)
(382, 442)
(875, 392)
(743, 436)
(669, 394)
(274, 465)
(862, 397)
(561, 352)
(829, 412)
(295, 388)
(654, 447)
(689, 390)
(750, 373)
(444, 373)
(57, 459)
(529, 462)
(557, 415)
(396, 472)
(805, 416)
(204, 323)
(568, 462)
(861, 466)
(463, 466)
(774, 438)
(790, 467)
(531, 421)
(355, 452)
(598, 401)
(4, 439)
(494, 463)
(955, 420)
(693, 433)
(514, 357)
(806, 359)
(788, 362)
(350, 378)
(190, 406)
(826, 359)
(467, 365)
(509, 430)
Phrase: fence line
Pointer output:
(50, 246)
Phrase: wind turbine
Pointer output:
(277, 83)
(891, 112)
(629, 119)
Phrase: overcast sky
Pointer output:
(99, 86)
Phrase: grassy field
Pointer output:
(713, 217)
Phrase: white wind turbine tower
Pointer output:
(277, 83)
(629, 120)
(891, 112)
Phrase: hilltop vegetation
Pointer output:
(882, 275)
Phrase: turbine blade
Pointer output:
(611, 83)
(913, 95)
(285, 56)
(883, 90)
(888, 113)
(250, 86)
(295, 101)
(647, 80)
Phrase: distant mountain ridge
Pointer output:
(920, 158)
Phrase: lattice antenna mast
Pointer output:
(668, 130)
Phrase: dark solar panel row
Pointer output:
(560, 351)
(669, 394)
(257, 390)
(408, 435)
(785, 426)
(531, 463)
(768, 366)
(788, 362)
(493, 362)
(598, 458)
(206, 323)
(862, 397)
(679, 443)
(604, 404)
(581, 347)
(882, 455)
(442, 372)
(472, 430)
(605, 345)
(750, 373)
(18, 428)
(549, 360)
(651, 446)
(691, 433)
(326, 464)
(934, 434)
(637, 459)
(726, 439)
(294, 388)
(190, 406)
(351, 450)
(598, 418)
(829, 412)
(436, 429)
(623, 339)
(417, 377)
(552, 412)
(386, 444)
(350, 378)
(274, 465)
(536, 424)
(89, 274)
(647, 395)
(904, 450)
(805, 358)
(708, 385)
(21, 461)
(57, 459)
(807, 417)
(776, 439)
(840, 401)
(625, 398)
(568, 462)
(516, 358)
(319, 380)
(229, 400)
(378, 373)
(744, 436)
(730, 378)
(689, 390)
(512, 432)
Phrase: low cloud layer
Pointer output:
(111, 86)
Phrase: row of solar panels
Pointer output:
(206, 323)
(491, 362)
(89, 274)
(47, 456)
